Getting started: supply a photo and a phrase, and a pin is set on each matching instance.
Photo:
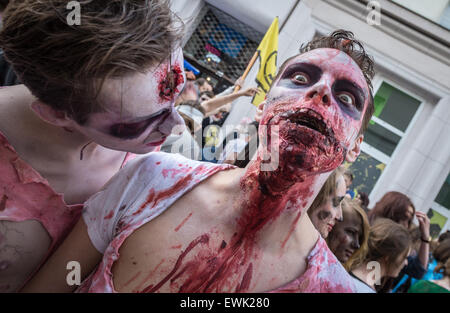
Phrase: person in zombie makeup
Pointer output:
(326, 209)
(348, 238)
(388, 245)
(92, 93)
(175, 225)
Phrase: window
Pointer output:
(439, 213)
(394, 111)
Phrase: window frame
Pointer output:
(377, 154)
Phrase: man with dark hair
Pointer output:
(217, 228)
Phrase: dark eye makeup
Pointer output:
(134, 130)
(301, 75)
(344, 88)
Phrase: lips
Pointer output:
(157, 143)
(348, 253)
(330, 227)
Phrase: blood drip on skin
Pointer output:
(169, 82)
(3, 200)
(229, 267)
(182, 223)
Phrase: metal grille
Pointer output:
(222, 44)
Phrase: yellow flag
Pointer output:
(267, 55)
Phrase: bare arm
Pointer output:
(217, 102)
(77, 247)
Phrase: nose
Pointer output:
(173, 122)
(355, 244)
(320, 91)
(339, 215)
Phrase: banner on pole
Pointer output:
(267, 55)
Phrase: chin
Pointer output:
(306, 144)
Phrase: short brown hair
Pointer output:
(344, 41)
(65, 66)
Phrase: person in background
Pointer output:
(389, 244)
(216, 111)
(400, 209)
(406, 281)
(348, 176)
(348, 238)
(363, 199)
(325, 211)
(189, 93)
(203, 85)
(252, 139)
(187, 144)
(442, 257)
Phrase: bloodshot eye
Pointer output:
(346, 98)
(300, 78)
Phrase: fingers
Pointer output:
(259, 112)
(239, 82)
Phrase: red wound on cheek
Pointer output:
(168, 84)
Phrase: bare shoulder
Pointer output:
(152, 251)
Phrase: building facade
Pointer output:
(407, 145)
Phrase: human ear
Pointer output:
(50, 115)
(354, 150)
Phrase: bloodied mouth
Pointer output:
(306, 141)
(310, 119)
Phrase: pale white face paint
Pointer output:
(137, 118)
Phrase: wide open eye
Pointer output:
(300, 78)
(346, 98)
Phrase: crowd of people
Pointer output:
(72, 187)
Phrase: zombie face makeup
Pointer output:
(139, 109)
(346, 236)
(317, 104)
(329, 213)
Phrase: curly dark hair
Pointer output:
(65, 66)
(344, 41)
